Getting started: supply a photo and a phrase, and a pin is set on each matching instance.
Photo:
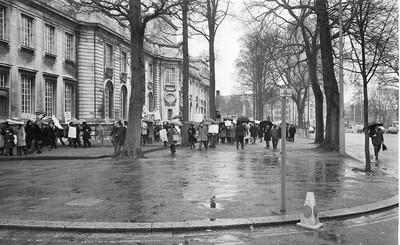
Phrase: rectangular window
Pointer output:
(169, 114)
(49, 39)
(123, 62)
(109, 56)
(2, 23)
(169, 76)
(49, 97)
(68, 97)
(69, 46)
(27, 31)
(26, 94)
(3, 79)
(150, 73)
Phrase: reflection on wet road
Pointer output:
(214, 184)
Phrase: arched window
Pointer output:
(108, 100)
(151, 101)
(124, 102)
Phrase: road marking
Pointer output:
(21, 164)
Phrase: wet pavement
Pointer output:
(221, 183)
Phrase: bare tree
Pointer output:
(301, 16)
(372, 28)
(137, 14)
(255, 65)
(328, 73)
(212, 12)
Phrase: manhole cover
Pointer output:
(85, 202)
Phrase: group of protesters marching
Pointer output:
(240, 133)
(36, 136)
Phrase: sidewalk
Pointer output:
(56, 190)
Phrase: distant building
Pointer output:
(55, 61)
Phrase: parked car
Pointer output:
(311, 130)
(392, 130)
(358, 128)
(349, 129)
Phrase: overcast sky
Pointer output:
(226, 50)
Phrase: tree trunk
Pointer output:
(185, 65)
(330, 83)
(211, 41)
(318, 96)
(137, 99)
(366, 136)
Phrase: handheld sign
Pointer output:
(285, 92)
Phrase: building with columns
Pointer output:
(59, 62)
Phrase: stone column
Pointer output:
(157, 84)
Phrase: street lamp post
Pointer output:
(342, 149)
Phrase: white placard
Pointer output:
(56, 122)
(67, 116)
(213, 129)
(157, 115)
(72, 132)
(285, 92)
(228, 123)
(198, 117)
(163, 135)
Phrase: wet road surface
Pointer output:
(191, 185)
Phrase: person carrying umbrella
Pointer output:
(376, 134)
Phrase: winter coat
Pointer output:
(86, 132)
(275, 133)
(8, 134)
(241, 130)
(376, 136)
(267, 134)
(170, 135)
(121, 135)
(21, 137)
(203, 133)
(253, 131)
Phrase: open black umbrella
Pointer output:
(177, 117)
(371, 125)
(263, 124)
(209, 121)
(243, 119)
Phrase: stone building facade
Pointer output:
(55, 61)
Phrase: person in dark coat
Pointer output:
(36, 144)
(121, 151)
(253, 133)
(46, 134)
(86, 135)
(170, 135)
(292, 132)
(275, 134)
(29, 133)
(267, 135)
(192, 136)
(59, 133)
(8, 135)
(240, 133)
(52, 136)
(376, 135)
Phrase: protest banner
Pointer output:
(163, 135)
(72, 132)
(228, 123)
(213, 129)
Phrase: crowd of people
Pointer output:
(239, 134)
(37, 136)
